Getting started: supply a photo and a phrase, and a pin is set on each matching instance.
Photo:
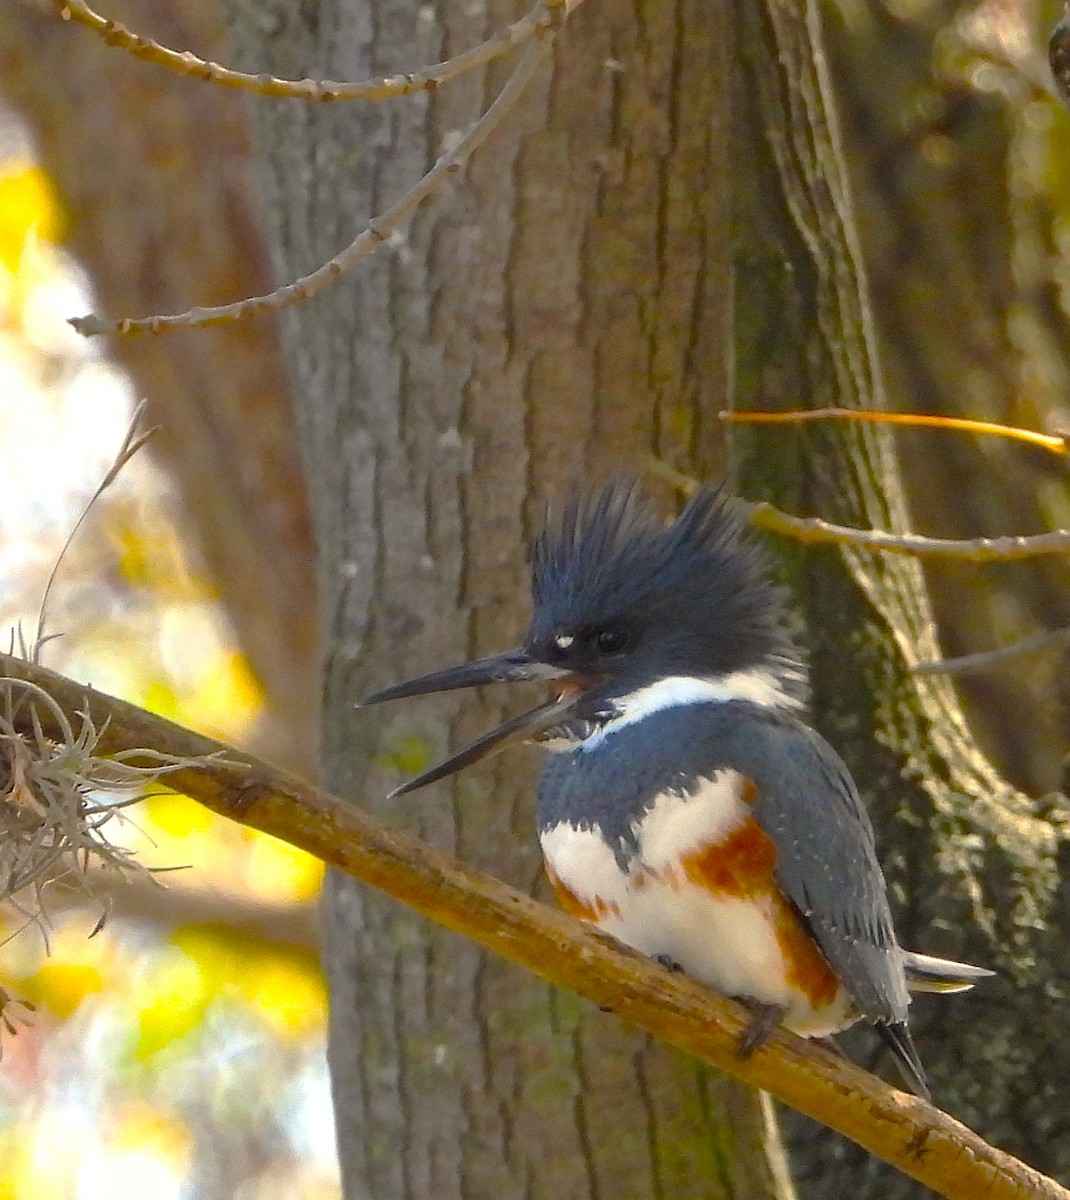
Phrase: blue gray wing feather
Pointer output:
(827, 861)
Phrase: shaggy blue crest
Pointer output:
(641, 600)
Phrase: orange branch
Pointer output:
(1052, 443)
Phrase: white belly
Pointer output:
(728, 943)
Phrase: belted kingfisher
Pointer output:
(686, 807)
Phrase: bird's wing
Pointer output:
(827, 863)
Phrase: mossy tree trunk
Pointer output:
(976, 868)
(958, 158)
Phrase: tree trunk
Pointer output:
(562, 308)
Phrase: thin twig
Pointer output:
(966, 664)
(918, 1139)
(131, 444)
(323, 91)
(379, 229)
(1045, 441)
(815, 531)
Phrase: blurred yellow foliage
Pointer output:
(12, 1156)
(139, 1126)
(277, 869)
(150, 555)
(229, 856)
(284, 984)
(29, 207)
(227, 695)
(78, 967)
(63, 985)
(288, 990)
(143, 1152)
(170, 999)
(223, 697)
(31, 1169)
(216, 949)
(140, 1152)
(178, 815)
(159, 697)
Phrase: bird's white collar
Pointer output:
(759, 686)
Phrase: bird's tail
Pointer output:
(897, 1037)
(927, 974)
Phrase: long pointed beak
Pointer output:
(528, 726)
(513, 667)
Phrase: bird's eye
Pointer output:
(612, 639)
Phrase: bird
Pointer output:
(686, 806)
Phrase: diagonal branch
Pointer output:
(984, 660)
(812, 531)
(920, 1140)
(318, 91)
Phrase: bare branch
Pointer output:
(915, 1137)
(1055, 443)
(551, 14)
(175, 898)
(320, 91)
(815, 531)
(812, 530)
(966, 664)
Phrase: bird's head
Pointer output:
(623, 603)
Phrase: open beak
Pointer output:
(513, 667)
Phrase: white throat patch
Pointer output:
(761, 687)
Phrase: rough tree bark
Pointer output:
(562, 308)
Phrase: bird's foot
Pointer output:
(763, 1023)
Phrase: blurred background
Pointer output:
(179, 1051)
